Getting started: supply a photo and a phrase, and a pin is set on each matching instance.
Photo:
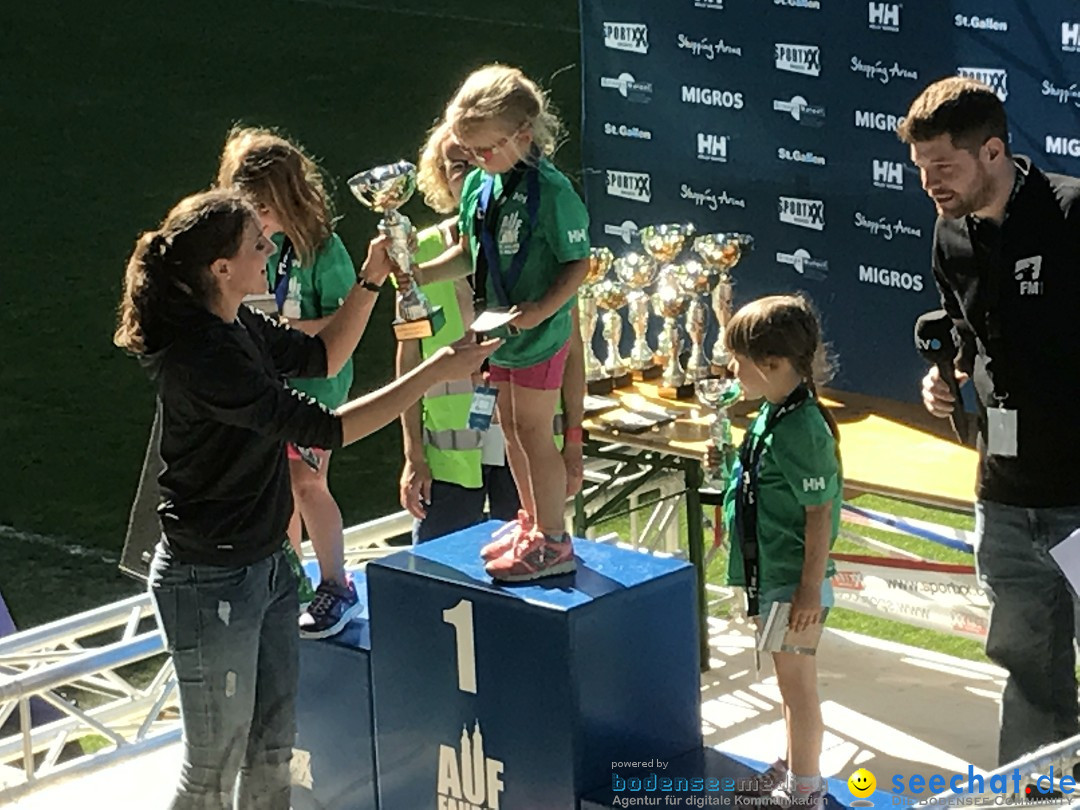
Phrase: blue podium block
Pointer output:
(522, 696)
(334, 755)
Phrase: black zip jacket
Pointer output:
(1014, 291)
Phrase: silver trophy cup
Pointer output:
(600, 260)
(611, 297)
(639, 273)
(698, 283)
(721, 252)
(719, 395)
(670, 301)
(384, 190)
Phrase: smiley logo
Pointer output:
(862, 783)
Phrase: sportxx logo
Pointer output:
(709, 48)
(883, 73)
(577, 235)
(1061, 145)
(1063, 94)
(712, 147)
(888, 174)
(468, 778)
(627, 230)
(801, 212)
(882, 122)
(805, 264)
(884, 16)
(635, 186)
(807, 114)
(997, 78)
(804, 59)
(629, 88)
(1070, 37)
(1027, 272)
(813, 484)
(632, 37)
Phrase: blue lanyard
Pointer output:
(486, 220)
(281, 279)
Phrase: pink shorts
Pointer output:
(292, 455)
(544, 376)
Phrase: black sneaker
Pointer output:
(331, 609)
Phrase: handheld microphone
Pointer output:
(934, 342)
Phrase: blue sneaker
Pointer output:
(331, 609)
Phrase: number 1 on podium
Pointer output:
(460, 617)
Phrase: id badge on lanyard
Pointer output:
(482, 408)
(1002, 433)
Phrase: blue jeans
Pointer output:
(1033, 621)
(455, 507)
(233, 638)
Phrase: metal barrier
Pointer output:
(87, 659)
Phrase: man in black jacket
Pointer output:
(1006, 259)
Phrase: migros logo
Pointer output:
(882, 122)
(886, 277)
(1062, 145)
(710, 97)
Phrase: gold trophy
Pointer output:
(639, 273)
(664, 243)
(384, 190)
(611, 297)
(721, 252)
(600, 260)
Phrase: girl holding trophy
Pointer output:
(782, 512)
(310, 274)
(526, 232)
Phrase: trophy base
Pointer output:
(422, 327)
(604, 385)
(684, 391)
(623, 380)
(721, 372)
(649, 373)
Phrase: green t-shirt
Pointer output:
(798, 469)
(320, 290)
(561, 235)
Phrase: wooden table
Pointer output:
(889, 448)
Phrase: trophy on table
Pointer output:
(611, 296)
(670, 302)
(698, 283)
(664, 243)
(719, 394)
(639, 273)
(384, 190)
(600, 260)
(721, 252)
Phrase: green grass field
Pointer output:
(113, 111)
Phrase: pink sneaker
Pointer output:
(534, 556)
(504, 538)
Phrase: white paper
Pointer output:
(493, 450)
(491, 319)
(1067, 555)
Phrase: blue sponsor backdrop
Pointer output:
(776, 117)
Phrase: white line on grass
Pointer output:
(58, 544)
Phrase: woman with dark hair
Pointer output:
(225, 594)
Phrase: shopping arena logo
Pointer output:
(807, 114)
(467, 777)
(629, 87)
(627, 230)
(997, 78)
(709, 48)
(711, 97)
(636, 186)
(626, 131)
(980, 23)
(813, 5)
(884, 16)
(805, 265)
(1063, 95)
(631, 37)
(804, 59)
(1061, 145)
(888, 174)
(802, 213)
(799, 156)
(882, 122)
(881, 72)
(887, 277)
(886, 229)
(710, 199)
(711, 147)
(1070, 37)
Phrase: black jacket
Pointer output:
(1014, 291)
(226, 416)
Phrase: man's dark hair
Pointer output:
(966, 110)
